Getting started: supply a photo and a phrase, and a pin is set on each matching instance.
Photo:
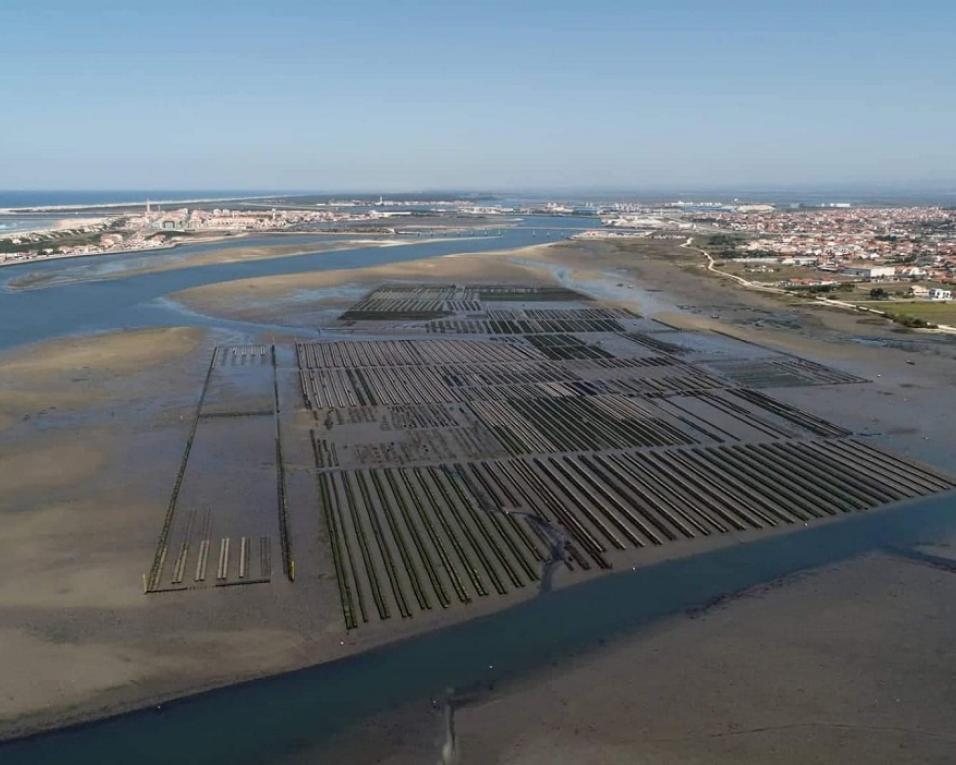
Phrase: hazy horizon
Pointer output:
(943, 188)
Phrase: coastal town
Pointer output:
(900, 261)
(150, 227)
(866, 243)
(155, 228)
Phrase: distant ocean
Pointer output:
(783, 197)
(15, 199)
(10, 223)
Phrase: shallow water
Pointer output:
(294, 716)
(136, 301)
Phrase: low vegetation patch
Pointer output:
(725, 246)
(931, 313)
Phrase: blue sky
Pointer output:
(412, 95)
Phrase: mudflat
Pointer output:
(88, 269)
(92, 430)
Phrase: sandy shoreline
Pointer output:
(57, 225)
(232, 254)
(163, 248)
(746, 679)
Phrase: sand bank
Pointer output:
(269, 299)
(820, 667)
(160, 259)
(71, 374)
(113, 353)
(97, 430)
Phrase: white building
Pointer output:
(940, 294)
(870, 272)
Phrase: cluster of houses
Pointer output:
(910, 244)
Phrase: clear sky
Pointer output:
(396, 95)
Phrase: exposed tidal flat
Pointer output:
(208, 251)
(706, 661)
(98, 304)
(92, 435)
